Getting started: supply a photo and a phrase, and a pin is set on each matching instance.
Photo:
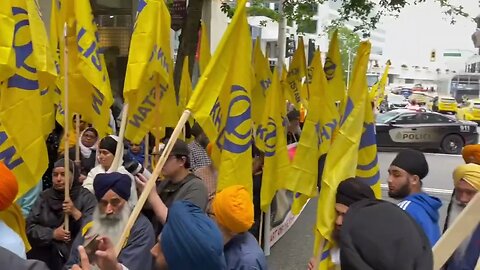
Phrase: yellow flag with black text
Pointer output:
(22, 142)
(221, 103)
(148, 82)
(320, 124)
(276, 167)
(341, 161)
(334, 70)
(296, 72)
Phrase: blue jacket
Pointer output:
(423, 208)
(242, 252)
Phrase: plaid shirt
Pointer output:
(201, 166)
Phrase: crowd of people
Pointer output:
(188, 224)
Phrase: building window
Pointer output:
(409, 81)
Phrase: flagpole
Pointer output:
(146, 146)
(121, 134)
(152, 180)
(66, 136)
(77, 137)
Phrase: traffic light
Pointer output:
(290, 46)
(433, 56)
(311, 49)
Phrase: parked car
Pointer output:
(393, 102)
(420, 97)
(424, 130)
(470, 110)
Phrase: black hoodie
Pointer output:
(378, 235)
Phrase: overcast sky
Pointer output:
(421, 28)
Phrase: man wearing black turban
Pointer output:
(113, 191)
(405, 176)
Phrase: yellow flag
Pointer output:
(221, 103)
(320, 124)
(91, 65)
(276, 164)
(367, 167)
(148, 83)
(377, 93)
(7, 57)
(22, 145)
(296, 72)
(334, 70)
(341, 161)
(185, 86)
(205, 54)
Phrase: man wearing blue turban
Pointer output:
(189, 241)
(110, 217)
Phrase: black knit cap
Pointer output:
(412, 161)
(108, 143)
(353, 190)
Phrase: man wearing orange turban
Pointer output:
(232, 209)
(466, 179)
(8, 192)
(471, 153)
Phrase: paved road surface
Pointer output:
(294, 249)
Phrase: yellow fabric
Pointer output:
(14, 219)
(221, 103)
(377, 93)
(341, 161)
(334, 72)
(367, 167)
(263, 80)
(276, 167)
(471, 153)
(296, 72)
(22, 142)
(7, 56)
(321, 122)
(233, 209)
(72, 140)
(468, 172)
(8, 187)
(148, 82)
(89, 92)
(205, 54)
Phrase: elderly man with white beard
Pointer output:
(466, 179)
(109, 219)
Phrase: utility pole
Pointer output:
(281, 42)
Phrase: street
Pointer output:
(294, 249)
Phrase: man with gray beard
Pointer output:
(466, 179)
(109, 219)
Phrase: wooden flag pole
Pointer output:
(121, 134)
(146, 152)
(318, 257)
(77, 143)
(461, 228)
(66, 136)
(151, 182)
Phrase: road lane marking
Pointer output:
(427, 190)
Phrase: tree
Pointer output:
(368, 12)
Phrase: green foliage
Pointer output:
(368, 12)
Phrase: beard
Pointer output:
(110, 226)
(401, 193)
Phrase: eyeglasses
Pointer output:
(115, 202)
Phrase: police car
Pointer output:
(424, 130)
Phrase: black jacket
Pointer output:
(43, 220)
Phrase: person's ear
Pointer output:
(415, 180)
